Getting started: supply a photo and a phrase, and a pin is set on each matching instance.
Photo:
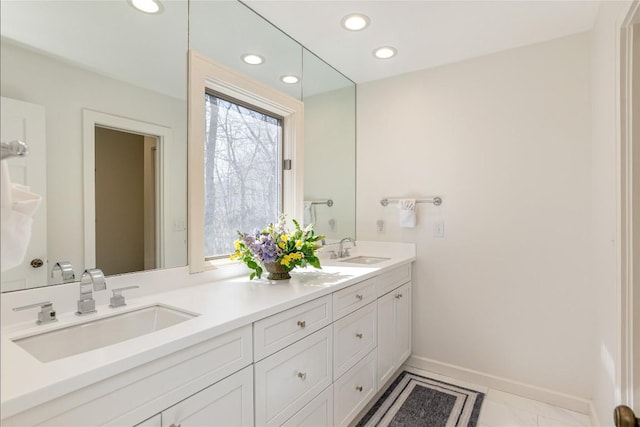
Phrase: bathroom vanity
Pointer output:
(312, 350)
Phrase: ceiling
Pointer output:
(426, 33)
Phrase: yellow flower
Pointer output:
(236, 255)
(285, 237)
(298, 244)
(282, 245)
(236, 243)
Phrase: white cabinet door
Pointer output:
(227, 403)
(386, 337)
(394, 331)
(402, 347)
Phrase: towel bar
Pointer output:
(437, 201)
(13, 149)
(327, 202)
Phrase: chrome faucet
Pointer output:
(344, 252)
(92, 280)
(66, 271)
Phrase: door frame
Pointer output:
(628, 276)
(91, 119)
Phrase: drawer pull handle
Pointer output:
(302, 323)
(359, 388)
(359, 335)
(398, 296)
(175, 425)
(302, 375)
(359, 297)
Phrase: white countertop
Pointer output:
(222, 305)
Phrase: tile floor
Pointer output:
(501, 409)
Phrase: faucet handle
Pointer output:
(117, 300)
(46, 315)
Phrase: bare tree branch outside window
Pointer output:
(242, 173)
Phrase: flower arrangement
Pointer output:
(275, 248)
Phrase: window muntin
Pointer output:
(243, 173)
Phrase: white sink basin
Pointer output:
(64, 342)
(365, 260)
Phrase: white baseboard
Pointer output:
(551, 397)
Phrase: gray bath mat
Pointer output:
(415, 401)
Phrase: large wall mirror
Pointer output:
(110, 82)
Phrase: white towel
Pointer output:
(309, 213)
(407, 213)
(17, 207)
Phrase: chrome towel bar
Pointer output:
(437, 201)
(13, 149)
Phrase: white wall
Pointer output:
(64, 90)
(604, 186)
(505, 140)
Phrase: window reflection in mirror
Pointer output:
(242, 173)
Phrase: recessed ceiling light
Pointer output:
(147, 6)
(385, 52)
(290, 79)
(355, 22)
(252, 59)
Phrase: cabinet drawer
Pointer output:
(353, 390)
(280, 330)
(289, 379)
(392, 279)
(226, 403)
(353, 337)
(352, 298)
(317, 413)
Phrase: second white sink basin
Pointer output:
(365, 260)
(76, 339)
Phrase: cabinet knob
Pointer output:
(398, 296)
(36, 263)
(359, 388)
(302, 323)
(302, 375)
(359, 335)
(359, 297)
